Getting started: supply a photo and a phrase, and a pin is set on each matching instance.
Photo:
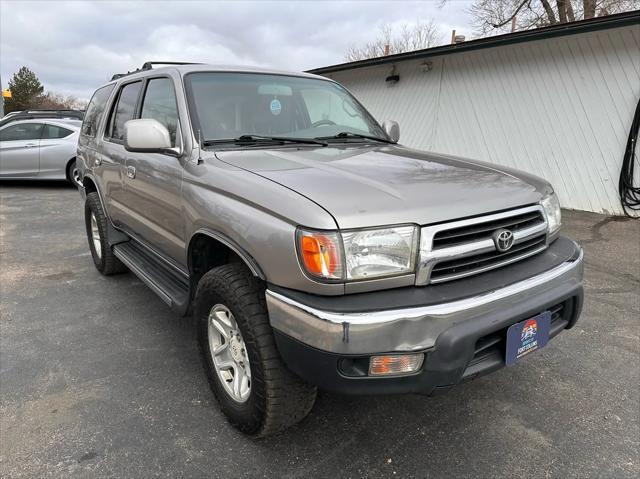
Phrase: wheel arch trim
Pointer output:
(251, 263)
(114, 235)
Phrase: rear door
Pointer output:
(58, 145)
(152, 183)
(89, 156)
(20, 150)
(113, 158)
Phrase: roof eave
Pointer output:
(564, 29)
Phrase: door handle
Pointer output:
(131, 172)
(30, 145)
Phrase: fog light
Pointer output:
(395, 365)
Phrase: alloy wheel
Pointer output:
(229, 353)
(75, 176)
(95, 235)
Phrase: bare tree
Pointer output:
(496, 16)
(54, 101)
(411, 37)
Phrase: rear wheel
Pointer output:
(255, 390)
(96, 224)
(73, 174)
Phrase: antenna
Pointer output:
(200, 160)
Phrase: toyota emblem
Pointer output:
(503, 239)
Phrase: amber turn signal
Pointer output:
(395, 365)
(320, 254)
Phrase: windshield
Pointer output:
(230, 105)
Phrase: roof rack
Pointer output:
(53, 110)
(42, 114)
(149, 66)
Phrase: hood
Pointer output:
(383, 185)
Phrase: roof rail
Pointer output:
(120, 75)
(149, 66)
(51, 110)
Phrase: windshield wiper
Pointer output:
(348, 134)
(259, 139)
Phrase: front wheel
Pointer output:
(255, 390)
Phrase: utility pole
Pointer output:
(3, 94)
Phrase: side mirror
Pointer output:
(148, 136)
(392, 129)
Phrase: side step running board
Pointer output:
(170, 285)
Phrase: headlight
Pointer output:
(380, 252)
(359, 254)
(551, 207)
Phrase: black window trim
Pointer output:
(114, 104)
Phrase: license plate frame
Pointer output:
(527, 336)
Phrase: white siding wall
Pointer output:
(559, 108)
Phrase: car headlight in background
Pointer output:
(354, 255)
(551, 207)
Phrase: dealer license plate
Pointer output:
(527, 336)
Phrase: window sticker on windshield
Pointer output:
(275, 107)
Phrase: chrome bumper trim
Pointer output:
(409, 329)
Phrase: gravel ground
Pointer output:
(99, 379)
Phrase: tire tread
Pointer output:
(283, 399)
(109, 264)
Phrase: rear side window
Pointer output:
(21, 132)
(160, 104)
(52, 132)
(124, 110)
(95, 109)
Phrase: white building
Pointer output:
(557, 102)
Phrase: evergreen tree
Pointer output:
(26, 91)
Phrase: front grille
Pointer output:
(490, 350)
(466, 247)
(481, 262)
(479, 231)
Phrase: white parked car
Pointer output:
(40, 149)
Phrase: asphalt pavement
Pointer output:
(98, 378)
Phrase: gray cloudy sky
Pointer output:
(75, 46)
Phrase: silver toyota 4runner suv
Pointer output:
(311, 248)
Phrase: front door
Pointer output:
(153, 182)
(20, 150)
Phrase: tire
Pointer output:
(96, 225)
(72, 174)
(277, 398)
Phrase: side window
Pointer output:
(123, 111)
(21, 132)
(95, 109)
(52, 132)
(160, 104)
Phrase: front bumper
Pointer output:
(460, 329)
